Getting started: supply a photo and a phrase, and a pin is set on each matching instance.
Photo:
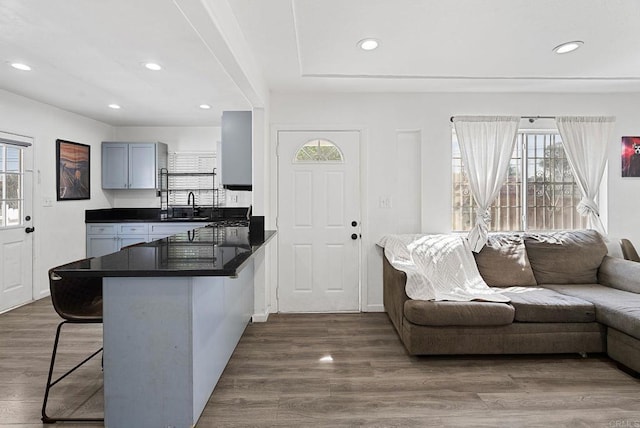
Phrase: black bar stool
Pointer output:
(77, 301)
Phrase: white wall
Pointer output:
(60, 231)
(385, 117)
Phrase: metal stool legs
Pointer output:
(47, 419)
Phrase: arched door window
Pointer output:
(318, 151)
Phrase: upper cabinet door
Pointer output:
(236, 150)
(142, 166)
(115, 166)
(132, 165)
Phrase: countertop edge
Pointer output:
(69, 270)
(157, 220)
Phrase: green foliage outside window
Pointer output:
(319, 151)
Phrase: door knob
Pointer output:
(354, 223)
(30, 229)
(354, 236)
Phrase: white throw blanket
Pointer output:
(438, 267)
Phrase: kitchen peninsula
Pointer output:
(174, 310)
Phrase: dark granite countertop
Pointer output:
(206, 251)
(153, 215)
(156, 220)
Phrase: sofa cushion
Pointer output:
(536, 304)
(566, 257)
(503, 261)
(444, 313)
(615, 308)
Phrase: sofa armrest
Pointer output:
(619, 273)
(629, 251)
(394, 296)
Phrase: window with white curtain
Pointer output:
(203, 186)
(540, 192)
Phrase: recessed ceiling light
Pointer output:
(114, 106)
(205, 106)
(20, 66)
(368, 44)
(153, 66)
(568, 47)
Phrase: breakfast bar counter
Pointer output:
(173, 312)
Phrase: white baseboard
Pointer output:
(260, 317)
(373, 308)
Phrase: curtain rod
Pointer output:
(531, 118)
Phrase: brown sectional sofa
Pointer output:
(567, 295)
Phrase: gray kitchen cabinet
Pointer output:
(235, 156)
(101, 245)
(101, 239)
(115, 165)
(132, 233)
(107, 238)
(132, 165)
(162, 230)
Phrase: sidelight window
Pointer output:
(540, 192)
(11, 185)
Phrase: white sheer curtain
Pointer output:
(486, 144)
(585, 141)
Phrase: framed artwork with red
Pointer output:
(631, 156)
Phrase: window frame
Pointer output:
(526, 204)
(4, 173)
(320, 142)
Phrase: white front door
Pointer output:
(318, 221)
(16, 241)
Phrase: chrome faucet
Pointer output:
(191, 200)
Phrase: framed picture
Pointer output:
(72, 172)
(631, 156)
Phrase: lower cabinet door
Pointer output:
(100, 245)
(125, 241)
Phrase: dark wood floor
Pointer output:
(333, 371)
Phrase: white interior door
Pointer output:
(318, 221)
(16, 239)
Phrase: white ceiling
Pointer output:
(444, 45)
(88, 54)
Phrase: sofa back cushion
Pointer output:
(503, 262)
(571, 257)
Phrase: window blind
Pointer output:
(203, 186)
